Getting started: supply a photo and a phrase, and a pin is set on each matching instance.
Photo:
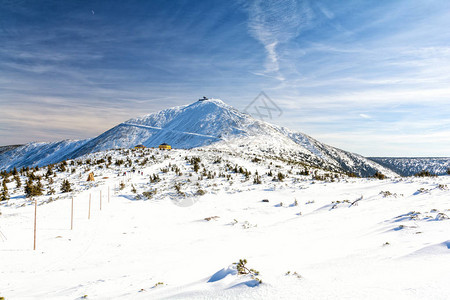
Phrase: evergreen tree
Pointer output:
(18, 182)
(65, 186)
(196, 167)
(51, 190)
(33, 189)
(39, 187)
(49, 171)
(257, 180)
(423, 173)
(29, 188)
(62, 168)
(4, 196)
(379, 175)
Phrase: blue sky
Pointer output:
(370, 77)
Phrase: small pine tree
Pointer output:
(51, 190)
(49, 171)
(18, 182)
(29, 188)
(62, 167)
(4, 196)
(242, 269)
(32, 189)
(423, 173)
(65, 186)
(196, 167)
(379, 175)
(257, 180)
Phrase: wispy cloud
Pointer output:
(275, 22)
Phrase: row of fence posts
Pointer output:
(71, 214)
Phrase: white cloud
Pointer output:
(276, 22)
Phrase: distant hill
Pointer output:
(407, 166)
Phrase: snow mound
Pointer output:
(221, 274)
(436, 249)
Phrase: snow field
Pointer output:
(386, 245)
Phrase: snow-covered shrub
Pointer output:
(388, 194)
(149, 194)
(158, 284)
(289, 273)
(441, 216)
(379, 175)
(443, 186)
(257, 180)
(243, 270)
(424, 173)
(200, 192)
(281, 176)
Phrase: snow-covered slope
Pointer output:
(199, 124)
(176, 236)
(38, 154)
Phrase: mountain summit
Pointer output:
(205, 123)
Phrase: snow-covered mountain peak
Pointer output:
(211, 118)
(200, 107)
(202, 123)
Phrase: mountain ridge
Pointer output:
(199, 124)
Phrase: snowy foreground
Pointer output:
(345, 238)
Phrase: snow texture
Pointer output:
(331, 238)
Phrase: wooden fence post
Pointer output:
(89, 212)
(35, 217)
(71, 216)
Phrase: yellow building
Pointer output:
(165, 146)
(139, 147)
